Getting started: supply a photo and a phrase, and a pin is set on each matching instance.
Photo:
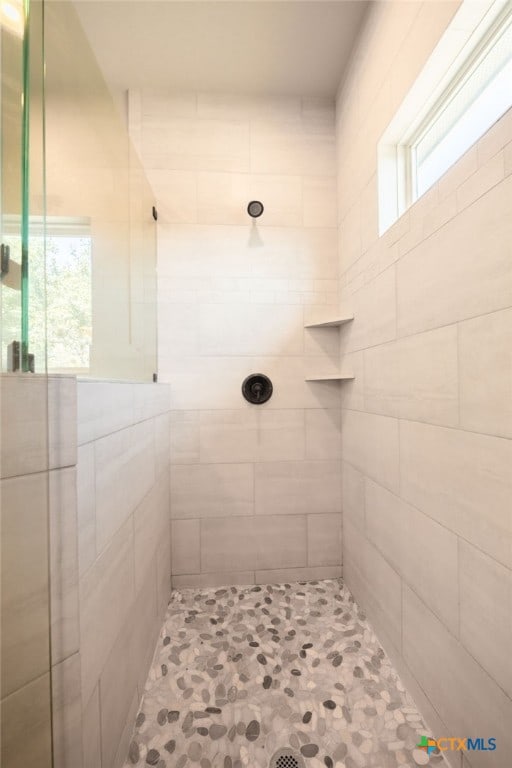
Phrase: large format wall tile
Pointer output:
(430, 348)
(150, 523)
(222, 198)
(143, 636)
(321, 344)
(199, 382)
(352, 391)
(374, 583)
(163, 570)
(370, 443)
(323, 433)
(91, 736)
(125, 471)
(374, 313)
(17, 749)
(485, 364)
(415, 378)
(319, 198)
(463, 481)
(449, 675)
(324, 539)
(250, 330)
(352, 494)
(150, 400)
(228, 436)
(24, 444)
(162, 436)
(178, 329)
(261, 108)
(280, 435)
(67, 713)
(232, 544)
(63, 564)
(124, 674)
(176, 192)
(212, 490)
(184, 437)
(280, 539)
(233, 294)
(227, 544)
(227, 251)
(118, 685)
(183, 143)
(454, 275)
(126, 734)
(63, 506)
(25, 586)
(102, 408)
(186, 546)
(86, 506)
(279, 148)
(250, 434)
(106, 595)
(62, 425)
(297, 487)
(485, 605)
(423, 552)
(38, 423)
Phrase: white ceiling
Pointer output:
(241, 46)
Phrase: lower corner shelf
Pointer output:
(332, 377)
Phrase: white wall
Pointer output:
(255, 490)
(427, 424)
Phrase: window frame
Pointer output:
(448, 68)
(464, 74)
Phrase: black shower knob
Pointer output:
(257, 388)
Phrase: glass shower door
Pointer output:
(26, 712)
(12, 108)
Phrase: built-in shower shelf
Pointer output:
(332, 377)
(334, 323)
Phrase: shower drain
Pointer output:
(286, 758)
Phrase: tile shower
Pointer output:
(328, 573)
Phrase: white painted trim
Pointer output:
(471, 23)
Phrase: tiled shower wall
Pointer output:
(427, 423)
(255, 490)
(109, 552)
(38, 484)
(123, 555)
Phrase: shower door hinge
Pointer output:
(5, 256)
(14, 358)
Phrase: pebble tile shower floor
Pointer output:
(241, 672)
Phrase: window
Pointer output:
(481, 95)
(60, 305)
(68, 299)
(418, 149)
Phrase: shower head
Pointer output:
(255, 209)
